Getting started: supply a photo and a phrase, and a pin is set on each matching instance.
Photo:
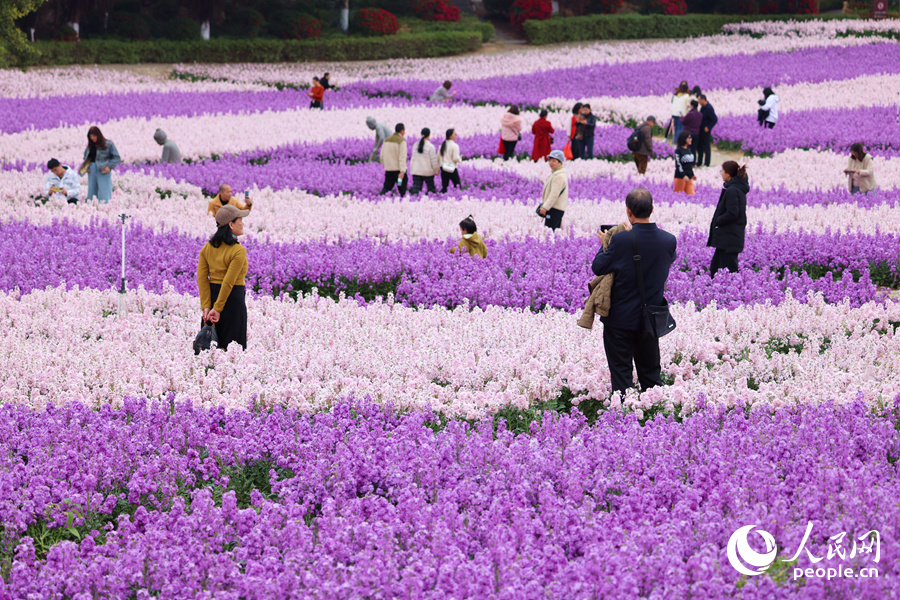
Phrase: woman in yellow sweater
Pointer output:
(220, 278)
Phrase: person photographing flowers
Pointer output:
(220, 278)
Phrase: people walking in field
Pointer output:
(555, 195)
(62, 182)
(100, 158)
(644, 148)
(707, 124)
(767, 115)
(443, 93)
(221, 270)
(424, 164)
(449, 159)
(860, 170)
(729, 222)
(170, 151)
(471, 242)
(510, 131)
(393, 159)
(382, 132)
(684, 165)
(543, 142)
(317, 94)
(226, 197)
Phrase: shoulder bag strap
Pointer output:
(637, 268)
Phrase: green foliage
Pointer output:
(182, 29)
(499, 8)
(13, 43)
(635, 27)
(466, 23)
(258, 50)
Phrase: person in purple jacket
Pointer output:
(691, 123)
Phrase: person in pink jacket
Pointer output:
(510, 131)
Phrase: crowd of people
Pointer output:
(630, 270)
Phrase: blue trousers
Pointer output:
(99, 185)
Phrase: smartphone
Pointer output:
(605, 228)
(246, 195)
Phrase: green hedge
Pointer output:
(637, 27)
(262, 51)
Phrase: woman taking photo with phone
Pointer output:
(220, 278)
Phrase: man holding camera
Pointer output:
(643, 245)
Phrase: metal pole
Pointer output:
(121, 312)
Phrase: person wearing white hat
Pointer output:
(555, 197)
(220, 278)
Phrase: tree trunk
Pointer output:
(204, 30)
(345, 15)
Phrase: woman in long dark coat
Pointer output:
(729, 222)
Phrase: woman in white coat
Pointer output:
(450, 159)
(424, 164)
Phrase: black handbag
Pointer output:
(657, 321)
(205, 338)
(537, 210)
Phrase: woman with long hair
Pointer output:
(729, 222)
(221, 269)
(860, 170)
(684, 165)
(424, 164)
(450, 159)
(510, 131)
(100, 158)
(767, 115)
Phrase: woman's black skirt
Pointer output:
(232, 325)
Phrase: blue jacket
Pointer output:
(106, 157)
(657, 250)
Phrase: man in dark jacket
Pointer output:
(729, 222)
(642, 154)
(708, 113)
(623, 338)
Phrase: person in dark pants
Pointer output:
(510, 131)
(623, 339)
(221, 269)
(393, 159)
(642, 154)
(704, 145)
(587, 123)
(729, 222)
(555, 196)
(573, 133)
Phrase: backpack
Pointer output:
(205, 338)
(635, 139)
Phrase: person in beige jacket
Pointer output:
(424, 164)
(555, 197)
(600, 288)
(450, 159)
(860, 172)
(393, 159)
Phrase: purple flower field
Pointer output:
(178, 502)
(528, 273)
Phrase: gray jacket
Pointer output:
(106, 157)
(382, 132)
(170, 153)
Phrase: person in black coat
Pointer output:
(623, 339)
(704, 151)
(729, 222)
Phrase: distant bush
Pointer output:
(294, 25)
(182, 29)
(375, 21)
(438, 10)
(524, 10)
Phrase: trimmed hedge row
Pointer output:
(636, 27)
(413, 45)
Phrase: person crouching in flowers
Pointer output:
(471, 242)
(220, 278)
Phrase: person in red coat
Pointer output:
(543, 144)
